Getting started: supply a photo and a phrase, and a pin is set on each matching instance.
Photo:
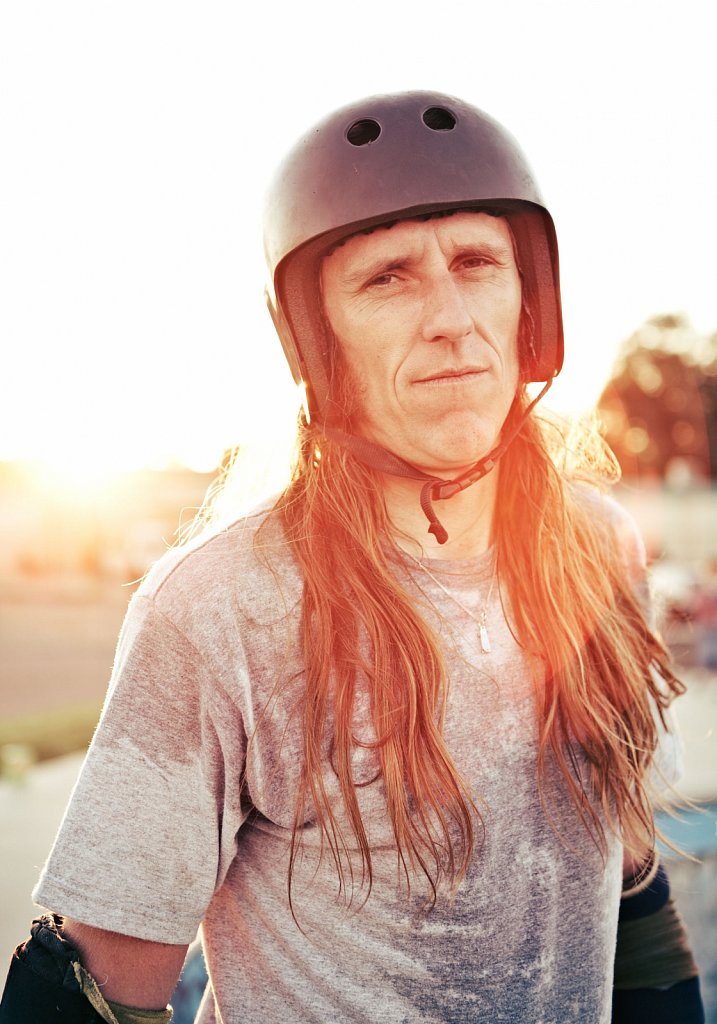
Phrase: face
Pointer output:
(426, 315)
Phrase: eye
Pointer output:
(382, 280)
(474, 261)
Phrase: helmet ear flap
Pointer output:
(287, 342)
(292, 354)
(541, 332)
(300, 322)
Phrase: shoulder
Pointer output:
(243, 569)
(609, 516)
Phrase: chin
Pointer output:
(454, 452)
(447, 450)
(450, 461)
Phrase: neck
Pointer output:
(467, 516)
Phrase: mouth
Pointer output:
(466, 375)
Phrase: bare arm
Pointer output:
(130, 971)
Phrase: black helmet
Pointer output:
(389, 158)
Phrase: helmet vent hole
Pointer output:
(438, 119)
(363, 132)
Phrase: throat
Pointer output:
(468, 517)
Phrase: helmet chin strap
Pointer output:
(434, 488)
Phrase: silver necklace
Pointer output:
(480, 618)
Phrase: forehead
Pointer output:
(452, 231)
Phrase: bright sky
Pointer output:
(137, 139)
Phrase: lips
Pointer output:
(451, 374)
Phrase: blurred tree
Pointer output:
(659, 409)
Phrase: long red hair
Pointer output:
(602, 676)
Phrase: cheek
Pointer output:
(514, 363)
(360, 387)
(354, 365)
(371, 366)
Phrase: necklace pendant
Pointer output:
(484, 639)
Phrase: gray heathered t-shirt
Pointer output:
(159, 836)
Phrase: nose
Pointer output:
(446, 316)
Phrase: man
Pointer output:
(390, 739)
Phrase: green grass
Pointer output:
(53, 733)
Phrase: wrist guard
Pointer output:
(42, 984)
(656, 977)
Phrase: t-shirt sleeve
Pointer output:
(149, 831)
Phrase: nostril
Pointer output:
(363, 132)
(438, 119)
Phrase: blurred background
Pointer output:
(138, 359)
